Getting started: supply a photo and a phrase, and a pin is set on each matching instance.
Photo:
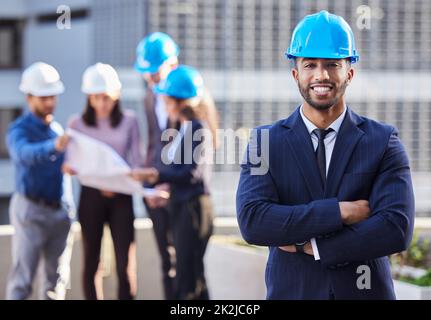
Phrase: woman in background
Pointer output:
(187, 170)
(104, 120)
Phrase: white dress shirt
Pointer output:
(161, 113)
(329, 142)
(177, 142)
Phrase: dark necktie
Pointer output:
(320, 152)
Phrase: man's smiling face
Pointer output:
(322, 82)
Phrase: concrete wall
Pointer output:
(148, 267)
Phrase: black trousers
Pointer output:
(163, 235)
(94, 211)
(192, 228)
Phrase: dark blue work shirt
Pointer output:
(31, 144)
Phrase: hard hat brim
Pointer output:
(353, 59)
(54, 90)
(159, 90)
(151, 69)
(101, 90)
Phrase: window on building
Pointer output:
(4, 209)
(10, 43)
(6, 117)
(53, 17)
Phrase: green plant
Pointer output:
(416, 254)
(424, 281)
(418, 251)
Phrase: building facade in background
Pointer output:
(239, 47)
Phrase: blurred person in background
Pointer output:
(190, 206)
(156, 56)
(104, 120)
(39, 216)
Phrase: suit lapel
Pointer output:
(300, 144)
(347, 138)
(150, 109)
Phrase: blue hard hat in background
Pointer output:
(323, 35)
(153, 51)
(184, 82)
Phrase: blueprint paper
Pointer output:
(99, 166)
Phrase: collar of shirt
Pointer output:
(177, 141)
(334, 125)
(39, 123)
(161, 113)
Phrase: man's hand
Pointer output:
(354, 211)
(150, 175)
(61, 142)
(292, 249)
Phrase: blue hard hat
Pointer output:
(153, 50)
(323, 35)
(184, 82)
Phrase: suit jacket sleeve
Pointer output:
(135, 155)
(263, 220)
(389, 229)
(178, 173)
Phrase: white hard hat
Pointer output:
(100, 78)
(41, 80)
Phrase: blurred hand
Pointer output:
(163, 187)
(107, 194)
(158, 202)
(150, 175)
(354, 211)
(66, 169)
(61, 142)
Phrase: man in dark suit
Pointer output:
(332, 194)
(157, 55)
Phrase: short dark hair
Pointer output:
(89, 115)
